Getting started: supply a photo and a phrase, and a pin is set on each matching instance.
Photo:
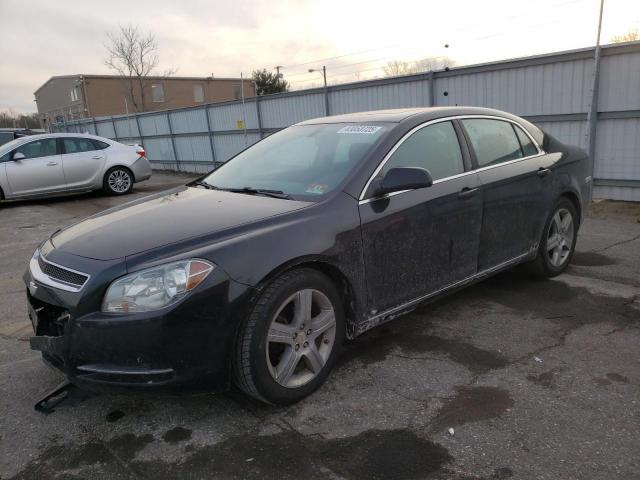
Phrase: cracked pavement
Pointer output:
(511, 378)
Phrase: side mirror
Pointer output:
(404, 178)
(18, 156)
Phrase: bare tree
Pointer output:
(12, 119)
(397, 67)
(134, 55)
(632, 35)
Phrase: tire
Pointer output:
(281, 362)
(552, 261)
(118, 181)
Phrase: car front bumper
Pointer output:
(187, 345)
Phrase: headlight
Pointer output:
(156, 287)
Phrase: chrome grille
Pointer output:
(61, 274)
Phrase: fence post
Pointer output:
(592, 115)
(432, 92)
(115, 132)
(213, 150)
(135, 115)
(173, 142)
(259, 115)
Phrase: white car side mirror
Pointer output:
(18, 156)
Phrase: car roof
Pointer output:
(62, 135)
(30, 138)
(399, 114)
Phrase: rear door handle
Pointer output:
(543, 172)
(467, 192)
(52, 164)
(97, 157)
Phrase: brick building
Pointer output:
(71, 97)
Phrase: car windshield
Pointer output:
(304, 161)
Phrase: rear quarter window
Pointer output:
(528, 148)
(99, 145)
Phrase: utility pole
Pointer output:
(326, 90)
(592, 115)
(324, 73)
(278, 74)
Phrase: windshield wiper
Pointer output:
(260, 191)
(202, 183)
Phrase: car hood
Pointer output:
(165, 218)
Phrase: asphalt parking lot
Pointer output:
(512, 378)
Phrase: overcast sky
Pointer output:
(41, 38)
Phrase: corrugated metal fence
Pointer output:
(553, 91)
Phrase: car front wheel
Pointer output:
(290, 341)
(118, 181)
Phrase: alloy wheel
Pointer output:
(300, 338)
(119, 181)
(560, 237)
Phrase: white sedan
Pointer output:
(66, 163)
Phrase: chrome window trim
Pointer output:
(362, 200)
(45, 279)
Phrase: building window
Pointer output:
(157, 92)
(236, 92)
(74, 94)
(198, 93)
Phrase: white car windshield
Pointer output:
(304, 161)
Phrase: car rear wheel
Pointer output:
(118, 181)
(290, 341)
(558, 240)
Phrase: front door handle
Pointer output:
(52, 164)
(543, 172)
(97, 157)
(467, 192)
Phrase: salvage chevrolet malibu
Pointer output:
(256, 273)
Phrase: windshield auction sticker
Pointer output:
(317, 188)
(362, 129)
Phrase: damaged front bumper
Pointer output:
(185, 345)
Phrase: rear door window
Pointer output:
(434, 148)
(78, 145)
(494, 141)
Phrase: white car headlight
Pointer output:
(156, 287)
